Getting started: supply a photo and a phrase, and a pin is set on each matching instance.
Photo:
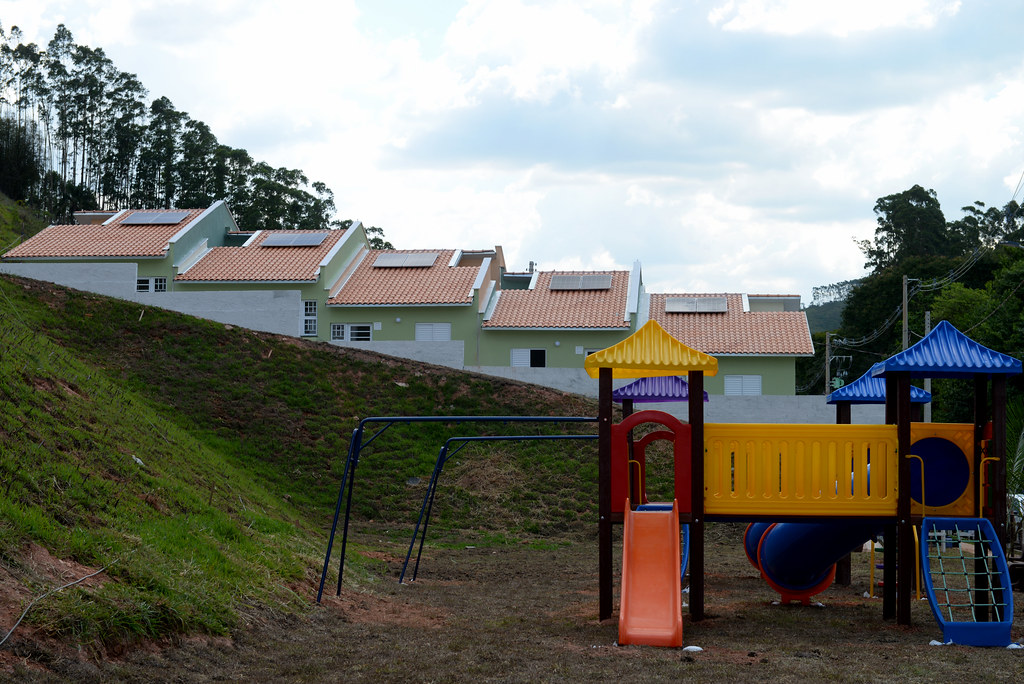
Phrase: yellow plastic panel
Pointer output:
(962, 435)
(649, 352)
(813, 470)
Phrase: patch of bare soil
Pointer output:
(521, 613)
(34, 573)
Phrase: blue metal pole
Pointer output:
(337, 514)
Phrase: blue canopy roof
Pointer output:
(946, 352)
(869, 390)
(658, 389)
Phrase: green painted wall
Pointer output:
(398, 323)
(778, 373)
(496, 345)
(212, 227)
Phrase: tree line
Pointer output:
(77, 133)
(969, 271)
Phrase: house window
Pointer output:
(360, 332)
(309, 317)
(160, 284)
(351, 332)
(743, 385)
(433, 332)
(529, 358)
(142, 284)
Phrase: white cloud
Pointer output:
(726, 145)
(535, 50)
(794, 17)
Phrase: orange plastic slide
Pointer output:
(650, 608)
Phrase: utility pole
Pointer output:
(928, 381)
(906, 333)
(828, 362)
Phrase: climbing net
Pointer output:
(965, 573)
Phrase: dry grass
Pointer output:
(522, 613)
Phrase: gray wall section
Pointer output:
(718, 409)
(274, 311)
(573, 380)
(771, 409)
(280, 311)
(450, 354)
(113, 279)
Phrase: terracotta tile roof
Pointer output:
(736, 331)
(543, 307)
(256, 263)
(102, 241)
(438, 283)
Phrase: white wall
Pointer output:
(274, 311)
(772, 409)
(451, 354)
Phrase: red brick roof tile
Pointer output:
(109, 240)
(435, 284)
(735, 331)
(543, 307)
(256, 263)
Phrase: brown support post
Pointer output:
(905, 565)
(980, 418)
(997, 449)
(843, 570)
(982, 611)
(889, 554)
(604, 491)
(696, 417)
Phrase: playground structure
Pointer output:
(813, 492)
(818, 491)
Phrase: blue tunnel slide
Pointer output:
(798, 559)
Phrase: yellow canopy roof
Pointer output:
(649, 352)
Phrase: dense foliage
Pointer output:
(78, 133)
(968, 272)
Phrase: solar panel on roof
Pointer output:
(407, 260)
(681, 305)
(389, 260)
(294, 240)
(696, 305)
(420, 259)
(601, 281)
(565, 282)
(595, 281)
(154, 218)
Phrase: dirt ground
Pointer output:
(520, 613)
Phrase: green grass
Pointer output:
(199, 463)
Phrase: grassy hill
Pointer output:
(197, 464)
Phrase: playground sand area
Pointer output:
(527, 611)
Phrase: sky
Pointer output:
(726, 145)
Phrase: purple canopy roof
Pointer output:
(659, 389)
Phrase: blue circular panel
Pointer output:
(946, 471)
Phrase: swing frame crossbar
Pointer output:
(357, 444)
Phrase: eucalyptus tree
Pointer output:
(197, 165)
(156, 181)
(124, 129)
(231, 174)
(58, 65)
